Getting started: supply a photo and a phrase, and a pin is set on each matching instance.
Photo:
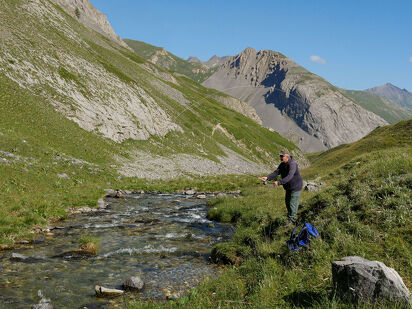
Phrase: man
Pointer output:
(291, 181)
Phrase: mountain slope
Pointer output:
(296, 103)
(401, 97)
(164, 59)
(387, 109)
(79, 112)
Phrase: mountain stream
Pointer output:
(164, 239)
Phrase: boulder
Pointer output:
(201, 196)
(221, 195)
(361, 280)
(108, 293)
(133, 283)
(114, 193)
(312, 186)
(18, 257)
(173, 296)
(190, 192)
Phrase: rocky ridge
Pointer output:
(91, 17)
(298, 104)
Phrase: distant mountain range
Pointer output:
(400, 96)
(299, 105)
(212, 62)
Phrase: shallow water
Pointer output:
(165, 239)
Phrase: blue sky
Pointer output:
(353, 44)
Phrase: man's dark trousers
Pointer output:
(292, 204)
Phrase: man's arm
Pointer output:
(289, 176)
(273, 175)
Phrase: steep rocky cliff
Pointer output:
(87, 14)
(296, 103)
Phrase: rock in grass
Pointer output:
(133, 283)
(63, 176)
(364, 281)
(107, 293)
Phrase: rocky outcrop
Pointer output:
(298, 104)
(361, 280)
(91, 17)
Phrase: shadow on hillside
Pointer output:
(303, 299)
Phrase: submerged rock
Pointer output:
(133, 283)
(361, 280)
(106, 292)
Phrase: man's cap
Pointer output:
(284, 152)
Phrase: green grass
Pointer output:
(397, 135)
(385, 108)
(364, 210)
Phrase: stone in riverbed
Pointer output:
(190, 192)
(201, 196)
(174, 296)
(133, 283)
(108, 293)
(221, 195)
(42, 306)
(361, 280)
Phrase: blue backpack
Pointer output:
(307, 232)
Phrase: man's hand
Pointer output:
(263, 178)
(276, 183)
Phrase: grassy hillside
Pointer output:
(387, 109)
(364, 210)
(398, 136)
(196, 71)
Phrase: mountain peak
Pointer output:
(193, 59)
(389, 91)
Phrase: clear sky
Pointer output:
(352, 44)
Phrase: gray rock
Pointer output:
(201, 196)
(63, 176)
(174, 296)
(361, 280)
(42, 306)
(18, 257)
(114, 193)
(110, 192)
(85, 209)
(221, 195)
(190, 192)
(133, 283)
(101, 204)
(313, 186)
(107, 293)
